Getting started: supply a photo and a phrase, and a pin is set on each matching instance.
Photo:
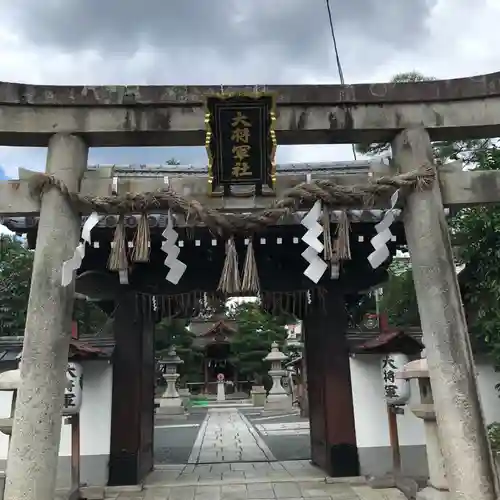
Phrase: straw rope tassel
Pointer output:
(250, 282)
(118, 256)
(342, 244)
(328, 251)
(142, 241)
(230, 278)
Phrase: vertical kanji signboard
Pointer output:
(240, 141)
(396, 390)
(73, 389)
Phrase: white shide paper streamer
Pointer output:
(383, 236)
(317, 266)
(123, 276)
(70, 266)
(169, 246)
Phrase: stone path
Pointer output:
(286, 428)
(230, 461)
(226, 436)
(239, 472)
(251, 481)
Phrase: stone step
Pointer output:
(295, 490)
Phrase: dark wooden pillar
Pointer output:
(132, 413)
(331, 412)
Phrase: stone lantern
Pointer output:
(437, 488)
(278, 398)
(171, 402)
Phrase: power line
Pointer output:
(337, 57)
(334, 39)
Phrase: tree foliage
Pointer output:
(477, 230)
(16, 263)
(173, 161)
(90, 318)
(256, 331)
(173, 332)
(399, 300)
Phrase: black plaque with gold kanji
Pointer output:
(240, 141)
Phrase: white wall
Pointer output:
(370, 414)
(487, 378)
(5, 404)
(370, 410)
(95, 414)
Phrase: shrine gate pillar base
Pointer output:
(468, 458)
(331, 412)
(132, 413)
(34, 448)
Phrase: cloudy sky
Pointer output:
(96, 42)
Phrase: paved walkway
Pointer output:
(230, 461)
(251, 481)
(283, 429)
(226, 436)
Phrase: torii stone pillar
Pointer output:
(469, 463)
(34, 448)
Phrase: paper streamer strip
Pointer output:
(123, 276)
(383, 236)
(317, 266)
(169, 246)
(70, 266)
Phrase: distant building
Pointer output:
(214, 337)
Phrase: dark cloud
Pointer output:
(273, 32)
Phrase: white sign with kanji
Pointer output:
(74, 388)
(396, 391)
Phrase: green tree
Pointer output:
(399, 300)
(476, 234)
(173, 332)
(16, 263)
(477, 230)
(90, 318)
(173, 161)
(256, 331)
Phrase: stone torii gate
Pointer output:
(69, 120)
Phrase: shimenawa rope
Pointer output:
(328, 191)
